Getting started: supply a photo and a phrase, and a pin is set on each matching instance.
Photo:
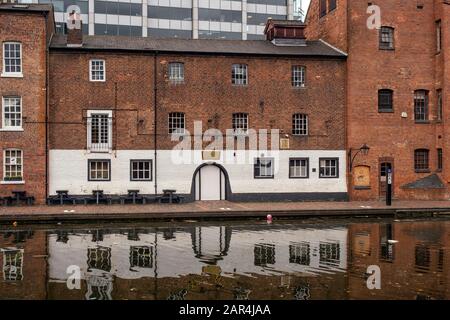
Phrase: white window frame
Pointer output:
(293, 170)
(4, 127)
(298, 76)
(240, 123)
(176, 72)
(5, 181)
(239, 69)
(150, 170)
(300, 124)
(90, 178)
(91, 70)
(99, 147)
(177, 131)
(11, 74)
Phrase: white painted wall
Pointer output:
(68, 171)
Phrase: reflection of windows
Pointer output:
(12, 265)
(141, 256)
(99, 287)
(386, 249)
(330, 253)
(299, 253)
(99, 258)
(422, 257)
(264, 254)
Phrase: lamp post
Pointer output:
(364, 150)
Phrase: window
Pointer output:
(439, 102)
(322, 8)
(97, 70)
(99, 258)
(176, 72)
(387, 38)
(298, 168)
(240, 123)
(385, 100)
(239, 74)
(332, 4)
(12, 59)
(100, 131)
(438, 36)
(421, 163)
(99, 170)
(328, 168)
(13, 165)
(13, 264)
(141, 170)
(299, 253)
(298, 76)
(263, 168)
(12, 113)
(141, 257)
(421, 105)
(176, 122)
(439, 159)
(300, 124)
(330, 253)
(264, 254)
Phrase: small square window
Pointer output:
(328, 168)
(240, 123)
(298, 168)
(421, 160)
(141, 170)
(97, 70)
(13, 165)
(263, 168)
(385, 100)
(99, 170)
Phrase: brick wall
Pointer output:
(207, 95)
(29, 29)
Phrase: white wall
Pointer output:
(68, 171)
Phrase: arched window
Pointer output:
(421, 160)
(385, 100)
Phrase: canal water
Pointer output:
(190, 260)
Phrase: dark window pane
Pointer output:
(170, 13)
(166, 33)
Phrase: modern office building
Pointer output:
(189, 19)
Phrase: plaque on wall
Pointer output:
(361, 177)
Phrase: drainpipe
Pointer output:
(47, 57)
(155, 128)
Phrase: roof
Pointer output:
(200, 46)
(26, 7)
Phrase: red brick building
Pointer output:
(397, 92)
(25, 34)
(115, 102)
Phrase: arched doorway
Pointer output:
(210, 182)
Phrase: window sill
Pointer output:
(422, 121)
(299, 87)
(423, 171)
(11, 129)
(11, 75)
(385, 111)
(362, 188)
(272, 177)
(97, 81)
(386, 49)
(12, 182)
(176, 82)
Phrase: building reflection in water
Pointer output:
(241, 261)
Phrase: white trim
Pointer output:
(12, 182)
(4, 166)
(11, 128)
(12, 74)
(333, 47)
(90, 70)
(90, 148)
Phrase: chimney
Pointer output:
(285, 32)
(74, 30)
